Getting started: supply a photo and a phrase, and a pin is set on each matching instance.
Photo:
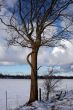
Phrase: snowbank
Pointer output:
(66, 103)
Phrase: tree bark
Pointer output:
(34, 85)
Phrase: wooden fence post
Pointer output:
(6, 100)
(40, 94)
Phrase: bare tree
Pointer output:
(50, 84)
(27, 24)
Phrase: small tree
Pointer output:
(27, 22)
(50, 84)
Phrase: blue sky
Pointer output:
(21, 69)
(16, 69)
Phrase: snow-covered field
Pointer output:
(18, 92)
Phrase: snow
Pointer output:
(65, 104)
(18, 94)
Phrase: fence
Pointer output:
(7, 100)
(10, 101)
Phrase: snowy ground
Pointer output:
(66, 103)
(18, 93)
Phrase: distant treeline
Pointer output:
(2, 76)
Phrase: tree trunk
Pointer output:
(34, 85)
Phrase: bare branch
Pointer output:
(55, 38)
(20, 11)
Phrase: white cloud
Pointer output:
(13, 55)
(43, 56)
(61, 56)
(58, 51)
(17, 55)
(57, 56)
